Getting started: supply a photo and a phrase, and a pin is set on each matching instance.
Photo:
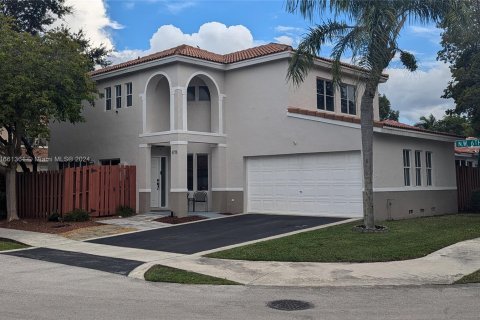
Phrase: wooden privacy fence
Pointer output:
(100, 190)
(468, 180)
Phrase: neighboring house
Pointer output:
(467, 156)
(233, 126)
(40, 150)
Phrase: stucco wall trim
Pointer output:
(178, 190)
(393, 131)
(227, 189)
(413, 189)
(318, 119)
(412, 134)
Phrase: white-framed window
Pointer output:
(325, 95)
(129, 90)
(418, 168)
(406, 167)
(428, 166)
(108, 98)
(347, 97)
(118, 96)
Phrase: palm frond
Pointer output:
(309, 47)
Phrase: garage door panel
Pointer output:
(312, 184)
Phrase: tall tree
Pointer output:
(386, 111)
(455, 124)
(36, 17)
(461, 49)
(33, 16)
(427, 123)
(368, 31)
(44, 79)
(450, 123)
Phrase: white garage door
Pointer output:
(328, 184)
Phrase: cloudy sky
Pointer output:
(133, 28)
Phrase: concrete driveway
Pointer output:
(216, 233)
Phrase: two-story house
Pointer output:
(233, 126)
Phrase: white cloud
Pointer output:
(285, 40)
(92, 17)
(212, 36)
(424, 30)
(419, 93)
(432, 34)
(282, 29)
(176, 7)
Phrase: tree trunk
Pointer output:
(366, 113)
(11, 192)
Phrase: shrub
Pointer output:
(77, 215)
(476, 200)
(125, 211)
(54, 217)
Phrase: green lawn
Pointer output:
(6, 244)
(406, 239)
(159, 273)
(470, 278)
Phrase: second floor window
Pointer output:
(129, 94)
(118, 97)
(325, 94)
(108, 98)
(348, 99)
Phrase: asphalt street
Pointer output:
(33, 289)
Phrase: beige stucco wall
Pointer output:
(388, 161)
(255, 101)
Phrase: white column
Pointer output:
(144, 112)
(172, 109)
(220, 113)
(145, 166)
(184, 113)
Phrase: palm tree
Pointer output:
(427, 123)
(367, 30)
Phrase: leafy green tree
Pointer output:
(44, 79)
(455, 124)
(450, 123)
(386, 111)
(461, 49)
(368, 31)
(35, 17)
(427, 123)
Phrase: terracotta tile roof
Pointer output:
(396, 124)
(467, 150)
(379, 124)
(189, 51)
(329, 115)
(256, 52)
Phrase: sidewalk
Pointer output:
(441, 267)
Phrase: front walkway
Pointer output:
(441, 267)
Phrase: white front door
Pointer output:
(158, 197)
(328, 184)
